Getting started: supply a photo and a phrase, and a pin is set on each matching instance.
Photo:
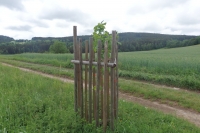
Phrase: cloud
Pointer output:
(190, 29)
(29, 18)
(152, 27)
(65, 14)
(12, 4)
(188, 16)
(158, 4)
(145, 7)
(20, 28)
(188, 20)
(38, 23)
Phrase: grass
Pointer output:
(176, 61)
(32, 103)
(179, 67)
(57, 71)
(186, 99)
(63, 60)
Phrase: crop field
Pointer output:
(178, 67)
(32, 103)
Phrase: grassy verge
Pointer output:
(58, 71)
(31, 103)
(63, 60)
(186, 99)
(190, 82)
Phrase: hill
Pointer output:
(134, 41)
(131, 41)
(5, 39)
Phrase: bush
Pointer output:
(58, 47)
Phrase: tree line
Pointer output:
(130, 41)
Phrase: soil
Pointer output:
(180, 112)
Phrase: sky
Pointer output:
(24, 19)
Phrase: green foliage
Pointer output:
(58, 47)
(101, 34)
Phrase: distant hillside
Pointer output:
(147, 41)
(130, 41)
(126, 36)
(5, 39)
(63, 39)
(150, 37)
(133, 41)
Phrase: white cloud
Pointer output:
(24, 19)
(13, 5)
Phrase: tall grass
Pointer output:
(179, 67)
(176, 61)
(31, 103)
(63, 60)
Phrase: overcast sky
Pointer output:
(24, 19)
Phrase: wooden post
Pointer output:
(86, 82)
(75, 68)
(105, 88)
(90, 78)
(101, 91)
(81, 77)
(78, 77)
(117, 76)
(94, 88)
(98, 81)
(112, 81)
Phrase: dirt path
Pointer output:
(192, 117)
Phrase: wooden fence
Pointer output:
(96, 95)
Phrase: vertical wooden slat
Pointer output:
(112, 81)
(98, 81)
(101, 91)
(117, 89)
(105, 87)
(114, 93)
(75, 67)
(115, 81)
(94, 87)
(81, 77)
(78, 76)
(90, 78)
(86, 82)
(108, 94)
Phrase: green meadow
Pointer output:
(32, 103)
(178, 67)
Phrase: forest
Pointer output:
(130, 41)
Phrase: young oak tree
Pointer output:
(101, 34)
